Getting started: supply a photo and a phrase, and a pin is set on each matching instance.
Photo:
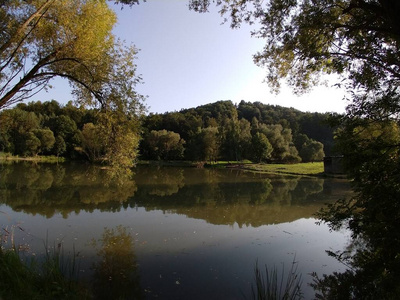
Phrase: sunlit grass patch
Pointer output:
(38, 158)
(315, 168)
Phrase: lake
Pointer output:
(171, 233)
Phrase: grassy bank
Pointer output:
(37, 158)
(310, 169)
(162, 163)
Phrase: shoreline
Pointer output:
(44, 159)
(314, 169)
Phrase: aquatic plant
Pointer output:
(270, 285)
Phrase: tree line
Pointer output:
(225, 131)
(217, 131)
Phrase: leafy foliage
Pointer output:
(309, 150)
(222, 130)
(72, 40)
(43, 39)
(111, 137)
(262, 148)
(371, 149)
(163, 144)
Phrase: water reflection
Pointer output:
(116, 273)
(47, 189)
(226, 197)
(161, 181)
(194, 228)
(221, 197)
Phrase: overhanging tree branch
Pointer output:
(25, 80)
(97, 94)
(22, 28)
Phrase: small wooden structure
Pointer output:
(333, 165)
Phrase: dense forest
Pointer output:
(217, 131)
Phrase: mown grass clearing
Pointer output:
(315, 168)
(312, 169)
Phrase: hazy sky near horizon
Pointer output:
(189, 59)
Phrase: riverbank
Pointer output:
(308, 169)
(38, 158)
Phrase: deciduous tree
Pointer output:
(59, 145)
(261, 147)
(92, 142)
(164, 144)
(309, 149)
(43, 39)
(209, 143)
(46, 138)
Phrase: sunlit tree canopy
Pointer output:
(43, 39)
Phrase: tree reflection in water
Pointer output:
(48, 189)
(116, 274)
(370, 145)
(373, 270)
(219, 197)
(373, 273)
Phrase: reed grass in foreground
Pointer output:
(271, 286)
(23, 278)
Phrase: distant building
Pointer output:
(333, 165)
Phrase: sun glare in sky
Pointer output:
(189, 59)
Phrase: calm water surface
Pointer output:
(172, 233)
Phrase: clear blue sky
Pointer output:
(188, 59)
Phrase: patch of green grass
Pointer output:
(164, 163)
(311, 169)
(316, 168)
(229, 163)
(44, 159)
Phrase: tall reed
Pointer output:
(272, 286)
(23, 276)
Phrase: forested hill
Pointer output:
(216, 131)
(233, 129)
